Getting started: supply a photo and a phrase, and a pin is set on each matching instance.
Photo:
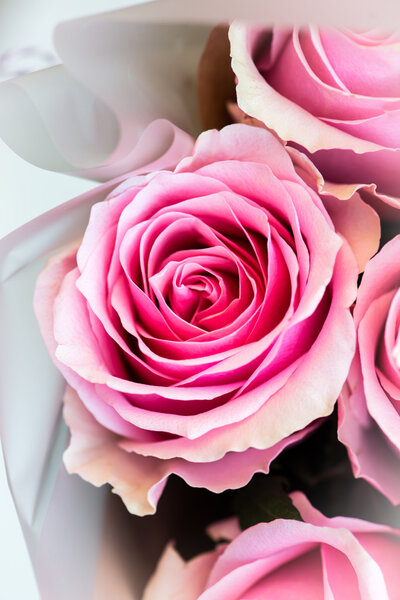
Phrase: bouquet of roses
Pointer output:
(222, 313)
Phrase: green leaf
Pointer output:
(263, 500)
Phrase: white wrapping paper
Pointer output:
(60, 516)
(75, 549)
(94, 117)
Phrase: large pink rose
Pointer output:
(318, 559)
(334, 93)
(203, 321)
(369, 407)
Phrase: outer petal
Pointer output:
(369, 424)
(315, 517)
(372, 456)
(97, 455)
(358, 223)
(46, 291)
(378, 402)
(352, 216)
(379, 166)
(241, 143)
(382, 274)
(175, 579)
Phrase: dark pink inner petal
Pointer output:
(282, 286)
(291, 345)
(193, 286)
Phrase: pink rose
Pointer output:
(333, 93)
(321, 558)
(369, 409)
(198, 321)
